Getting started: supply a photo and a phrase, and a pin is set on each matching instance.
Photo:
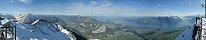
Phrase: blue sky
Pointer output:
(103, 7)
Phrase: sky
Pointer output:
(103, 7)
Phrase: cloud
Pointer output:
(12, 1)
(107, 8)
(26, 1)
(105, 3)
(103, 8)
(93, 3)
(94, 8)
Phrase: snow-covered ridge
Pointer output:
(42, 32)
(29, 27)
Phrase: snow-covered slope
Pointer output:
(29, 27)
(42, 31)
(187, 34)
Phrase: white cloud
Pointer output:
(103, 8)
(106, 8)
(26, 1)
(105, 3)
(12, 1)
(93, 3)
